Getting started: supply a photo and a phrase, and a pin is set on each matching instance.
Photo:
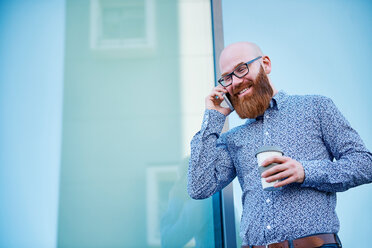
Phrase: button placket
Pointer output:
(266, 136)
(268, 200)
(266, 133)
(269, 219)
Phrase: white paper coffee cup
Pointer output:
(262, 154)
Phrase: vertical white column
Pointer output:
(196, 64)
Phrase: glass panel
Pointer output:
(31, 70)
(136, 74)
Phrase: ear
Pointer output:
(266, 64)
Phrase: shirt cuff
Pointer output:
(310, 174)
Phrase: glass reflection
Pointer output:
(186, 222)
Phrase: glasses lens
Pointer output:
(227, 80)
(224, 81)
(241, 70)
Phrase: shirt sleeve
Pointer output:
(210, 166)
(353, 162)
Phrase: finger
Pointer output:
(279, 176)
(217, 93)
(215, 98)
(220, 87)
(220, 95)
(276, 169)
(275, 159)
(284, 182)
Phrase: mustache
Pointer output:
(245, 84)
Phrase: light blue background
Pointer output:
(31, 74)
(317, 47)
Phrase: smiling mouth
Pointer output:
(244, 90)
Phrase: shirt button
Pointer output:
(266, 133)
(268, 227)
(267, 200)
(267, 116)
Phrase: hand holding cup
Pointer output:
(287, 170)
(262, 155)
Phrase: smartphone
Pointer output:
(228, 101)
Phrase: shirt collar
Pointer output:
(278, 99)
(276, 102)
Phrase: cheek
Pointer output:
(253, 72)
(251, 77)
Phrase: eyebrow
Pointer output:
(241, 63)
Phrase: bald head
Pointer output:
(238, 52)
(243, 47)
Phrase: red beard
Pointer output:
(256, 102)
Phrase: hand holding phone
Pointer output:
(217, 96)
(228, 102)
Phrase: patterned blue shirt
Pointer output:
(309, 129)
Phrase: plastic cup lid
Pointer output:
(269, 149)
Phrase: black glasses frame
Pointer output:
(221, 80)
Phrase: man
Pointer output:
(311, 132)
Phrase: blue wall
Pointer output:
(318, 47)
(31, 70)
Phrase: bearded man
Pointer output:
(323, 155)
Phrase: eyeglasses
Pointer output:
(239, 72)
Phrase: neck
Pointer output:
(273, 87)
(274, 91)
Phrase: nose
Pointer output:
(236, 81)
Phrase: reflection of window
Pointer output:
(159, 182)
(167, 185)
(121, 25)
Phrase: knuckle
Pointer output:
(296, 177)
